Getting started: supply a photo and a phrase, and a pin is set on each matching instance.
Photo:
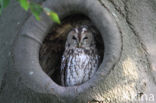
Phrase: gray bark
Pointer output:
(132, 79)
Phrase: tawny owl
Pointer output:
(80, 59)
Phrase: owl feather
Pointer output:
(80, 59)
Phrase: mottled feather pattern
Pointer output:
(75, 69)
(80, 60)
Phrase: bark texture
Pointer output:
(133, 78)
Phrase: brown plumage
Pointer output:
(80, 59)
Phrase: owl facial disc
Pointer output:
(80, 37)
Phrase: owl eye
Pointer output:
(73, 38)
(85, 38)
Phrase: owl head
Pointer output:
(80, 37)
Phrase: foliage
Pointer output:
(35, 9)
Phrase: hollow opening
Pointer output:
(53, 46)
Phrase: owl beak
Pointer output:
(79, 45)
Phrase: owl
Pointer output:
(80, 59)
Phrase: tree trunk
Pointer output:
(131, 79)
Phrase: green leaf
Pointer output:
(55, 17)
(36, 10)
(52, 15)
(24, 4)
(3, 4)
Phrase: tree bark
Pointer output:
(131, 80)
